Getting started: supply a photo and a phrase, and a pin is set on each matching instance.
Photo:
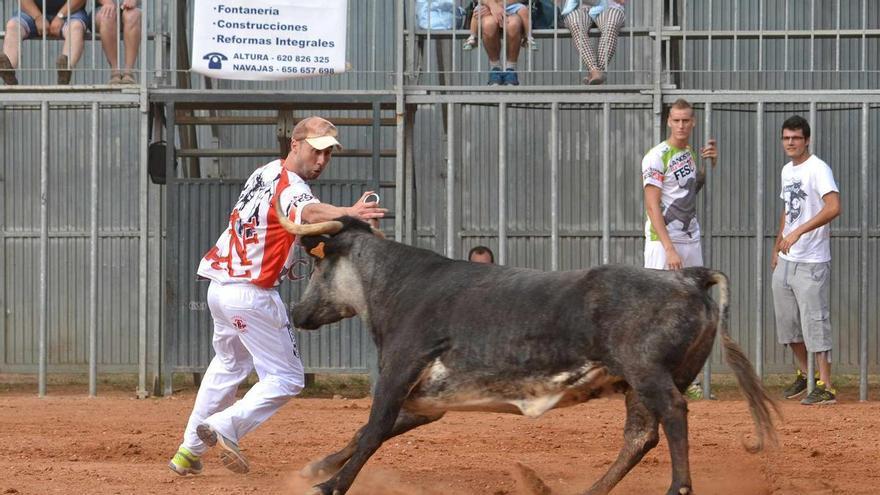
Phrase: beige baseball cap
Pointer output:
(319, 133)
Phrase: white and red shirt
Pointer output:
(255, 248)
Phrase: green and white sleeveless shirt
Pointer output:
(673, 171)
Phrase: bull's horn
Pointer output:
(378, 233)
(330, 227)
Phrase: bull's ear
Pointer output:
(314, 245)
(318, 251)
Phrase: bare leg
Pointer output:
(109, 30)
(131, 22)
(822, 359)
(799, 349)
(639, 436)
(514, 38)
(12, 41)
(74, 33)
(491, 38)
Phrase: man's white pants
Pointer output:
(251, 331)
(691, 254)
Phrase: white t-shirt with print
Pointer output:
(673, 171)
(803, 187)
(255, 248)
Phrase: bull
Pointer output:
(460, 336)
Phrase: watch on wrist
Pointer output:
(62, 15)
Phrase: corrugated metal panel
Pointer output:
(69, 200)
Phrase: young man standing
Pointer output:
(251, 327)
(671, 182)
(801, 260)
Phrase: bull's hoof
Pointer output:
(313, 471)
(322, 489)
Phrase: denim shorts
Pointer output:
(513, 8)
(30, 26)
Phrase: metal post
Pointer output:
(143, 244)
(409, 177)
(401, 122)
(706, 227)
(144, 9)
(377, 146)
(658, 69)
(759, 243)
(450, 180)
(502, 184)
(44, 244)
(554, 185)
(171, 255)
(93, 260)
(863, 290)
(811, 358)
(604, 194)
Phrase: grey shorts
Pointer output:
(800, 299)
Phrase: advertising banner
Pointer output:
(269, 39)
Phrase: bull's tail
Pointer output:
(749, 383)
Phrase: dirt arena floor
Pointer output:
(114, 444)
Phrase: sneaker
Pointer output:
(7, 72)
(820, 395)
(511, 78)
(64, 72)
(496, 76)
(231, 457)
(470, 43)
(694, 391)
(185, 462)
(797, 388)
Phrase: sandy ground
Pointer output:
(114, 444)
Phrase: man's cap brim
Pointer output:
(323, 142)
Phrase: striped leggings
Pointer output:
(609, 23)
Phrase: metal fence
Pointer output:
(545, 173)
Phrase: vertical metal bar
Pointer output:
(143, 245)
(837, 44)
(401, 123)
(412, 38)
(761, 35)
(812, 35)
(706, 227)
(811, 361)
(527, 29)
(504, 38)
(409, 176)
(658, 69)
(502, 183)
(759, 242)
(144, 49)
(374, 35)
(94, 32)
(554, 185)
(454, 43)
(735, 38)
(606, 182)
(684, 37)
(785, 43)
(863, 289)
(556, 41)
(864, 36)
(450, 180)
(44, 244)
(93, 259)
(428, 40)
(709, 41)
(171, 255)
(45, 47)
(377, 146)
(173, 64)
(479, 35)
